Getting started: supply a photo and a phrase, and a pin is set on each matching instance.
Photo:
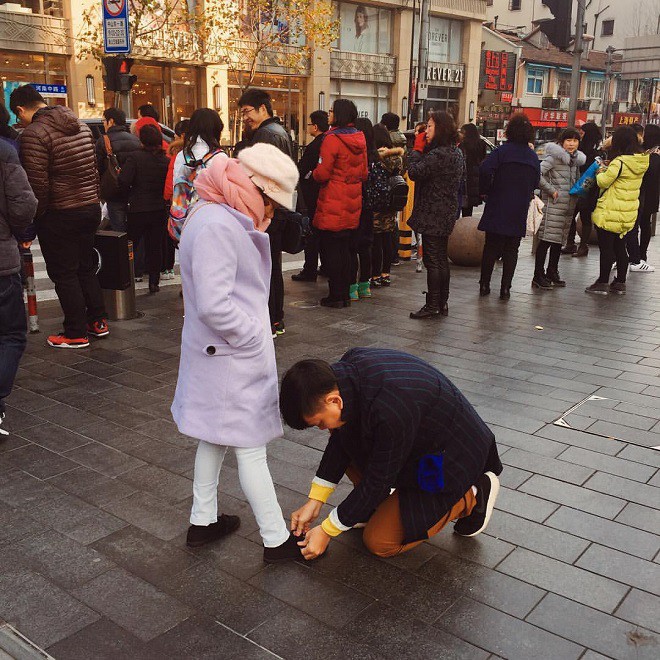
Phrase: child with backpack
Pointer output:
(560, 169)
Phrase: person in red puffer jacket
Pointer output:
(341, 170)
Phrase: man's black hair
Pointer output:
(320, 119)
(26, 97)
(256, 98)
(148, 110)
(345, 113)
(303, 387)
(391, 121)
(116, 114)
(181, 127)
(520, 129)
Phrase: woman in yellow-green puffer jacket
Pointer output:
(616, 211)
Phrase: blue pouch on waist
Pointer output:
(430, 473)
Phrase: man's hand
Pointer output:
(315, 543)
(302, 518)
(555, 196)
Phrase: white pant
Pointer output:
(256, 482)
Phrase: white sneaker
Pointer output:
(418, 268)
(641, 267)
(3, 431)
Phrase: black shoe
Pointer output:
(385, 280)
(484, 289)
(444, 310)
(505, 293)
(302, 276)
(617, 287)
(488, 486)
(541, 282)
(555, 280)
(426, 312)
(154, 288)
(336, 304)
(375, 282)
(288, 551)
(571, 248)
(199, 535)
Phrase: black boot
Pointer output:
(153, 284)
(505, 293)
(484, 289)
(431, 310)
(555, 280)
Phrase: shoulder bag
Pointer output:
(109, 187)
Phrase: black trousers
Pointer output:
(360, 259)
(381, 253)
(336, 257)
(587, 226)
(506, 247)
(169, 251)
(553, 260)
(437, 267)
(638, 238)
(311, 252)
(13, 329)
(67, 244)
(612, 248)
(149, 227)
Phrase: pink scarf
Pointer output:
(225, 181)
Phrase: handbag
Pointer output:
(534, 215)
(109, 186)
(587, 181)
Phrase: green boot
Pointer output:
(364, 289)
(353, 292)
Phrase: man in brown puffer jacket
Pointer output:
(57, 152)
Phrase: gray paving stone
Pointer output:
(105, 460)
(609, 464)
(150, 514)
(503, 634)
(485, 550)
(21, 490)
(167, 431)
(39, 462)
(588, 627)
(333, 603)
(77, 519)
(163, 455)
(102, 640)
(627, 434)
(59, 558)
(232, 602)
(15, 525)
(11, 442)
(40, 610)
(455, 575)
(282, 634)
(68, 417)
(91, 486)
(161, 483)
(606, 532)
(575, 496)
(537, 537)
(27, 401)
(625, 488)
(113, 435)
(202, 638)
(512, 477)
(577, 438)
(524, 505)
(56, 438)
(644, 575)
(124, 415)
(642, 609)
(528, 442)
(145, 555)
(563, 579)
(550, 467)
(132, 604)
(642, 517)
(409, 638)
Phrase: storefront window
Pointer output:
(365, 29)
(184, 92)
(372, 99)
(442, 98)
(445, 40)
(149, 88)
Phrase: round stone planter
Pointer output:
(466, 243)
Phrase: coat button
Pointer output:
(210, 350)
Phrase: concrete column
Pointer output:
(318, 81)
(402, 36)
(216, 74)
(471, 56)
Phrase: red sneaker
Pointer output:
(98, 328)
(60, 341)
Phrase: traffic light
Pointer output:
(558, 29)
(118, 76)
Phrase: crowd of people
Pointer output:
(231, 216)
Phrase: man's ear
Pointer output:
(334, 398)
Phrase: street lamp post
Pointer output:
(577, 56)
(606, 90)
(423, 59)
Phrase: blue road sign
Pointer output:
(116, 36)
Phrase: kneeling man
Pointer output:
(397, 423)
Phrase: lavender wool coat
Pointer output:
(227, 388)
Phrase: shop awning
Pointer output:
(541, 118)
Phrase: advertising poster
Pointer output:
(359, 28)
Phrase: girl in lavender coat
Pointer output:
(226, 393)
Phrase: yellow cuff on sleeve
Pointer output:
(330, 528)
(320, 493)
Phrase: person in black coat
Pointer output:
(508, 178)
(143, 179)
(638, 239)
(123, 143)
(395, 422)
(309, 189)
(474, 152)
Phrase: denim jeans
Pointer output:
(256, 483)
(13, 330)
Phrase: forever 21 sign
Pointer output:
(450, 73)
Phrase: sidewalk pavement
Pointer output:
(95, 490)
